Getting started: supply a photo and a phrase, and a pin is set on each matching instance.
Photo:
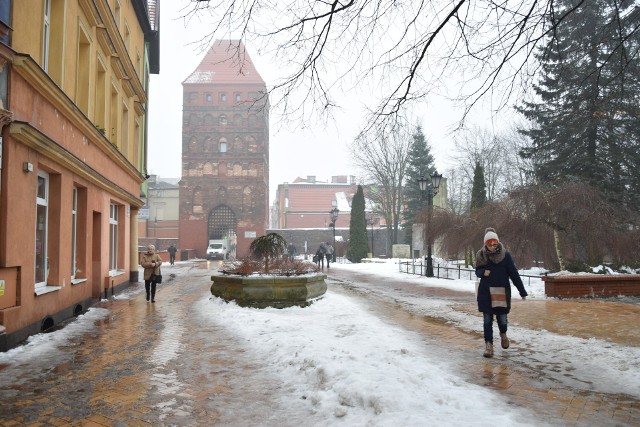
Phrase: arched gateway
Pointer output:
(222, 223)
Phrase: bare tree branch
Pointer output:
(402, 50)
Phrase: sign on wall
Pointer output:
(143, 213)
(250, 234)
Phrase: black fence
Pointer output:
(447, 272)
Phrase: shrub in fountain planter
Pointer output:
(269, 279)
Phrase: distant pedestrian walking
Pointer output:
(320, 255)
(151, 263)
(292, 251)
(494, 267)
(172, 253)
(329, 253)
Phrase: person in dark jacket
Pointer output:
(329, 253)
(320, 254)
(172, 253)
(494, 267)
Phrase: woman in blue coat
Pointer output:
(494, 267)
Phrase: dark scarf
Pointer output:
(484, 256)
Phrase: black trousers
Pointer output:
(149, 284)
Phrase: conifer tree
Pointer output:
(358, 243)
(479, 188)
(585, 118)
(421, 163)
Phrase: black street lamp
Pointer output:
(430, 189)
(334, 217)
(371, 220)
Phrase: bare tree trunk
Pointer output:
(558, 246)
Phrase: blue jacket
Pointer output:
(502, 269)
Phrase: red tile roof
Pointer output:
(227, 61)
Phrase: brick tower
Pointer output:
(224, 188)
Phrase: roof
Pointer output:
(162, 185)
(226, 62)
(319, 197)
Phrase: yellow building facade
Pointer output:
(74, 113)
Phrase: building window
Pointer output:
(46, 34)
(54, 39)
(83, 77)
(113, 119)
(100, 96)
(124, 129)
(117, 13)
(42, 232)
(79, 233)
(74, 231)
(209, 97)
(223, 145)
(127, 36)
(222, 119)
(237, 96)
(223, 97)
(113, 237)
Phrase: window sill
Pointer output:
(114, 273)
(47, 289)
(78, 281)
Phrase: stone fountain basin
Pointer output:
(269, 291)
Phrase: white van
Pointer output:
(218, 249)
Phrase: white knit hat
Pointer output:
(490, 234)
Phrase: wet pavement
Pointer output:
(158, 365)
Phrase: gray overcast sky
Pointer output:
(297, 149)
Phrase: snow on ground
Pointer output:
(609, 368)
(352, 368)
(356, 368)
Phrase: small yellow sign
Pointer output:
(1, 288)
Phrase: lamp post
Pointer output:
(334, 217)
(430, 189)
(371, 220)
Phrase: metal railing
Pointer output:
(446, 272)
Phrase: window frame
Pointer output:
(46, 34)
(74, 231)
(113, 237)
(42, 247)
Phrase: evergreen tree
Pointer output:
(479, 188)
(358, 243)
(421, 163)
(585, 120)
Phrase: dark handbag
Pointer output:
(156, 278)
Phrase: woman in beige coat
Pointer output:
(151, 263)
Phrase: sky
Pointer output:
(355, 367)
(296, 149)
